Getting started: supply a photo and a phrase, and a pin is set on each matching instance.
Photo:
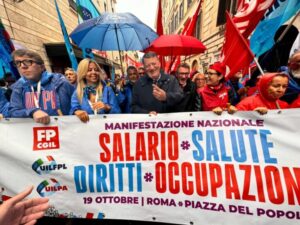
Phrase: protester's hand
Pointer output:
(243, 91)
(159, 93)
(153, 113)
(231, 109)
(40, 116)
(261, 110)
(15, 211)
(218, 110)
(98, 105)
(82, 115)
(1, 116)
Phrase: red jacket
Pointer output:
(214, 97)
(296, 103)
(262, 99)
(254, 101)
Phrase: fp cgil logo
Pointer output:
(45, 138)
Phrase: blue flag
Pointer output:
(6, 48)
(86, 10)
(263, 37)
(6, 62)
(3, 67)
(87, 53)
(67, 40)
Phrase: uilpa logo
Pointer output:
(44, 167)
(47, 188)
(45, 138)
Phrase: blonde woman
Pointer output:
(200, 81)
(92, 96)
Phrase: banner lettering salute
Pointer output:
(175, 168)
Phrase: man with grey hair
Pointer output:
(38, 94)
(155, 92)
(293, 89)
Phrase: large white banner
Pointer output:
(181, 168)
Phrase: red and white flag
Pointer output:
(236, 51)
(241, 4)
(249, 13)
(131, 62)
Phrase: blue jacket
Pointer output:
(127, 93)
(4, 104)
(55, 94)
(108, 97)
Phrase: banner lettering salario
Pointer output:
(177, 168)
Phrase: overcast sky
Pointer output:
(145, 10)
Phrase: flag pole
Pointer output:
(258, 66)
(288, 27)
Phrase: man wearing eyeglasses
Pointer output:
(191, 100)
(38, 94)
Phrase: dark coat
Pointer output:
(143, 100)
(293, 89)
(191, 100)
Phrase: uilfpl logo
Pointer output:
(45, 138)
(45, 167)
(47, 188)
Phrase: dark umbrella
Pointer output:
(113, 32)
(176, 45)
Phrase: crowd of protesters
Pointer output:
(39, 94)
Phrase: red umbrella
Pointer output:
(175, 45)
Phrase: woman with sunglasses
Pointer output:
(92, 96)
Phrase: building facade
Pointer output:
(34, 24)
(209, 28)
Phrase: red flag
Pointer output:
(237, 54)
(188, 29)
(186, 25)
(175, 64)
(131, 62)
(241, 4)
(192, 24)
(250, 14)
(159, 24)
